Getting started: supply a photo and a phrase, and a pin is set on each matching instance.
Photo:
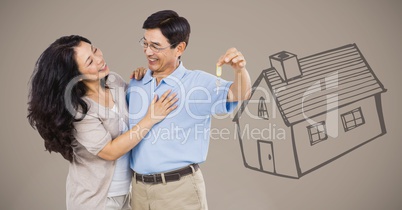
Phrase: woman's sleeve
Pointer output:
(91, 133)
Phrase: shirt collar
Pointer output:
(147, 77)
(170, 80)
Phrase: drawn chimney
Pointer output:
(286, 64)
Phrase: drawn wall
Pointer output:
(322, 130)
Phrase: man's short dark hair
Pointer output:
(175, 28)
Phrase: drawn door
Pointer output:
(266, 156)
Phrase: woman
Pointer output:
(79, 108)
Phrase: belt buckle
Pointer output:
(153, 175)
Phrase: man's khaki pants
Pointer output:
(186, 194)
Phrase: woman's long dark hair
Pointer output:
(47, 107)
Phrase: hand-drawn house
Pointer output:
(304, 113)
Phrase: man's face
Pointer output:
(162, 60)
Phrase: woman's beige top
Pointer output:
(89, 175)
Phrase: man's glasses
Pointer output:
(152, 46)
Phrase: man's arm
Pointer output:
(241, 87)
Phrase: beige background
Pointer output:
(368, 178)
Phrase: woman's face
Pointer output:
(90, 61)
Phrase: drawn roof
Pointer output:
(330, 79)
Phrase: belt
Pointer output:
(168, 176)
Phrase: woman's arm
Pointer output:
(157, 111)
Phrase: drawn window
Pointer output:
(352, 119)
(317, 132)
(262, 109)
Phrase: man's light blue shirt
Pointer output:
(182, 138)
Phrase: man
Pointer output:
(165, 162)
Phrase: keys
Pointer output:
(218, 84)
(218, 80)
